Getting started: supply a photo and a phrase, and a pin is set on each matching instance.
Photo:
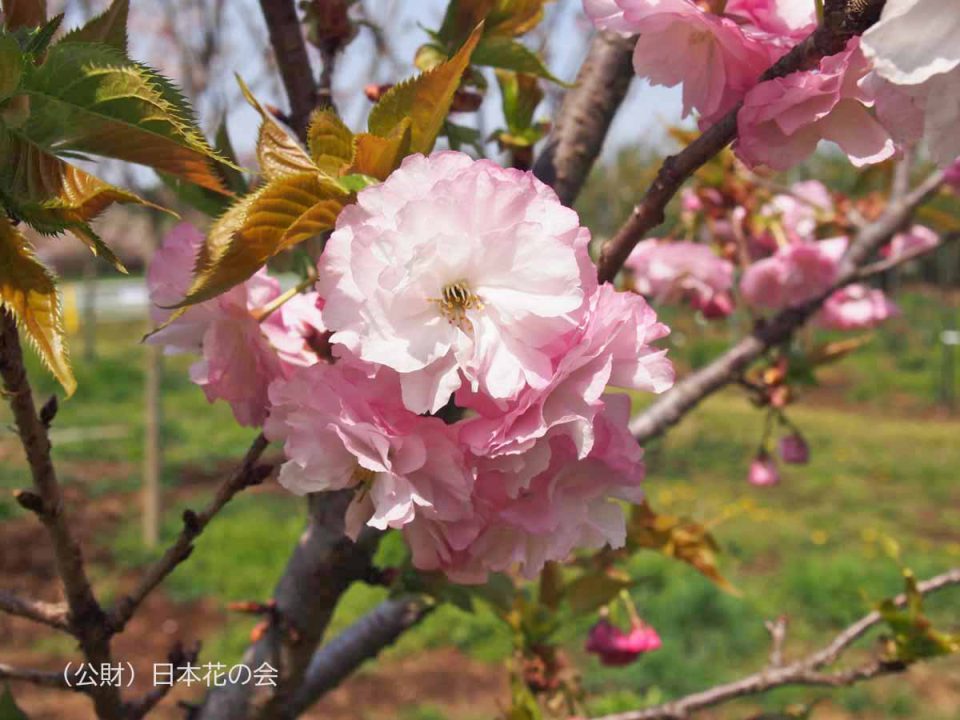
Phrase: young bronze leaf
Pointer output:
(278, 153)
(24, 13)
(425, 99)
(282, 214)
(330, 142)
(514, 17)
(378, 156)
(508, 54)
(27, 290)
(109, 27)
(88, 98)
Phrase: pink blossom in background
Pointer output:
(763, 471)
(793, 275)
(793, 450)
(669, 271)
(615, 647)
(782, 120)
(239, 355)
(927, 73)
(343, 428)
(456, 270)
(711, 56)
(856, 307)
(808, 204)
(952, 175)
(917, 239)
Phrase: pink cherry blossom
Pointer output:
(612, 346)
(856, 307)
(793, 275)
(240, 355)
(615, 647)
(342, 428)
(763, 471)
(711, 56)
(917, 239)
(668, 271)
(794, 450)
(808, 204)
(952, 175)
(456, 270)
(782, 120)
(786, 20)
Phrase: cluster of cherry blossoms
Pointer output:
(451, 368)
(884, 90)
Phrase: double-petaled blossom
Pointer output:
(794, 274)
(345, 426)
(917, 239)
(615, 647)
(671, 271)
(453, 271)
(914, 50)
(712, 56)
(856, 307)
(800, 211)
(241, 352)
(782, 120)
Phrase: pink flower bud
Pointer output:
(794, 449)
(615, 647)
(763, 471)
(719, 306)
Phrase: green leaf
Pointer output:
(379, 156)
(277, 217)
(425, 99)
(330, 142)
(27, 290)
(109, 27)
(89, 98)
(914, 637)
(514, 17)
(278, 153)
(357, 182)
(461, 17)
(521, 95)
(594, 590)
(24, 13)
(508, 54)
(39, 39)
(8, 707)
(232, 177)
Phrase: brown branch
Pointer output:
(179, 657)
(840, 24)
(669, 409)
(37, 677)
(807, 671)
(248, 473)
(52, 614)
(286, 37)
(323, 565)
(86, 618)
(362, 641)
(585, 115)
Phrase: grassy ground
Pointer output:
(884, 464)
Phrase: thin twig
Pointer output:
(247, 474)
(286, 38)
(807, 671)
(670, 408)
(52, 614)
(86, 618)
(38, 677)
(828, 39)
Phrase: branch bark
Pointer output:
(286, 37)
(807, 671)
(86, 619)
(842, 20)
(51, 614)
(585, 115)
(669, 409)
(249, 473)
(36, 677)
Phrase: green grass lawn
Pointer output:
(884, 465)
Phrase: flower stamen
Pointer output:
(455, 299)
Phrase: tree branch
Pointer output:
(86, 618)
(802, 672)
(669, 409)
(323, 565)
(248, 473)
(362, 641)
(286, 37)
(52, 614)
(842, 20)
(37, 677)
(585, 115)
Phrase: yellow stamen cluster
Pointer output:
(455, 299)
